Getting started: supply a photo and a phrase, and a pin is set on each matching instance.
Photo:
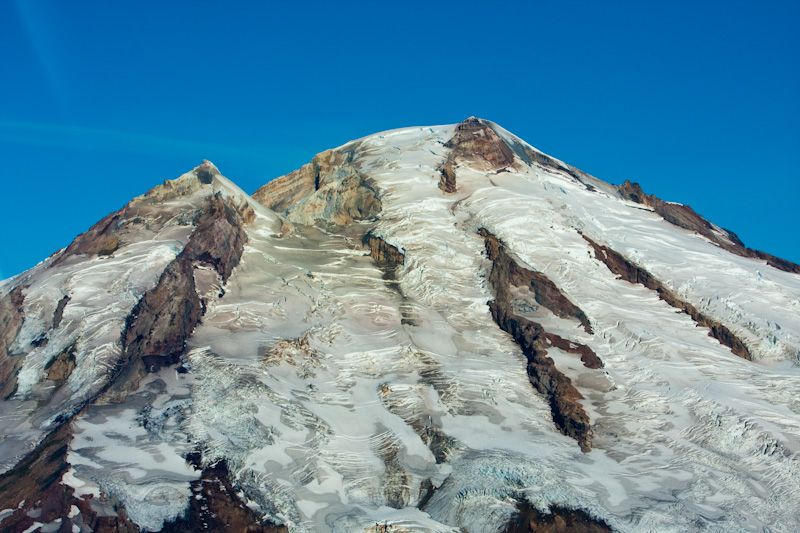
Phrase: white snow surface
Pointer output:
(319, 381)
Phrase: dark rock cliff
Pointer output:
(157, 328)
(558, 520)
(568, 414)
(11, 320)
(685, 217)
(154, 336)
(474, 142)
(384, 254)
(621, 266)
(217, 505)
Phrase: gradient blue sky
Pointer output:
(697, 101)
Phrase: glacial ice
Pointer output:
(305, 377)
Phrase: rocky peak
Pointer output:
(331, 189)
(184, 185)
(476, 144)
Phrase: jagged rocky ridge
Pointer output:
(568, 414)
(436, 329)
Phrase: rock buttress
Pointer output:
(150, 211)
(621, 266)
(474, 142)
(157, 328)
(33, 488)
(685, 217)
(568, 414)
(217, 506)
(384, 254)
(545, 292)
(330, 189)
(11, 319)
(559, 520)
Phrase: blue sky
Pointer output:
(99, 101)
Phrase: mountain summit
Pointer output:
(426, 329)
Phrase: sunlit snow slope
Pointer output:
(439, 329)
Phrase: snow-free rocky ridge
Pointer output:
(426, 329)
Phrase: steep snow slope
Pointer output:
(342, 390)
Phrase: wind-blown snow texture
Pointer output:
(342, 393)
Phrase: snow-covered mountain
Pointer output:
(430, 329)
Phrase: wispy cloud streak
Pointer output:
(109, 140)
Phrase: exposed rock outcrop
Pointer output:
(33, 484)
(547, 162)
(164, 318)
(384, 254)
(685, 217)
(558, 520)
(157, 328)
(147, 211)
(58, 314)
(329, 190)
(283, 192)
(506, 272)
(474, 142)
(621, 266)
(568, 414)
(100, 239)
(216, 506)
(588, 357)
(11, 320)
(34, 489)
(185, 185)
(533, 157)
(61, 366)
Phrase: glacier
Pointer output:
(342, 393)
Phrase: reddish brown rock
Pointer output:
(685, 217)
(588, 357)
(219, 238)
(100, 239)
(157, 328)
(147, 211)
(61, 366)
(621, 266)
(382, 252)
(476, 143)
(544, 290)
(217, 506)
(34, 483)
(34, 486)
(568, 414)
(159, 325)
(11, 319)
(558, 520)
